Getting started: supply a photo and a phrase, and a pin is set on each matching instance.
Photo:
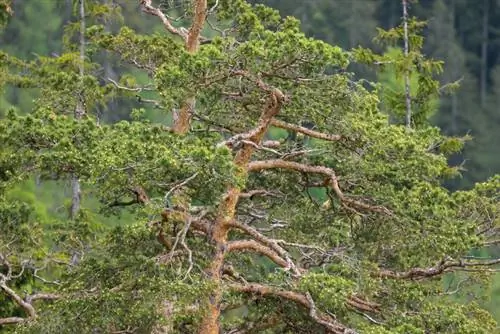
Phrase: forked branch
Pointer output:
(252, 245)
(269, 243)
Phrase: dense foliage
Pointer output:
(281, 198)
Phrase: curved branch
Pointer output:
(304, 300)
(147, 7)
(42, 296)
(305, 131)
(27, 307)
(270, 243)
(252, 245)
(11, 320)
(332, 180)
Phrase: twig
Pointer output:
(177, 186)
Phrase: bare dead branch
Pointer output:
(147, 7)
(185, 246)
(42, 296)
(135, 89)
(271, 143)
(178, 186)
(259, 192)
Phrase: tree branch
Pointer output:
(440, 268)
(252, 245)
(11, 320)
(147, 7)
(27, 307)
(332, 180)
(305, 131)
(306, 301)
(270, 243)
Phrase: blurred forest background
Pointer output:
(465, 34)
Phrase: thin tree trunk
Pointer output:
(192, 44)
(79, 112)
(454, 98)
(407, 71)
(484, 54)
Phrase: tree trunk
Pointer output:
(484, 54)
(227, 210)
(79, 112)
(407, 71)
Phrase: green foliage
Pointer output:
(5, 12)
(149, 271)
(395, 65)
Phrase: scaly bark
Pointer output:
(185, 115)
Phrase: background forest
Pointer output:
(465, 34)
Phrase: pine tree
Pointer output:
(237, 228)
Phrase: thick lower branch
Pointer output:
(27, 307)
(11, 320)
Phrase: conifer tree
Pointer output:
(237, 228)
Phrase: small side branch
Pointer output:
(440, 268)
(305, 131)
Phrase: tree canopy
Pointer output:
(283, 196)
